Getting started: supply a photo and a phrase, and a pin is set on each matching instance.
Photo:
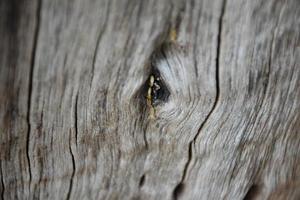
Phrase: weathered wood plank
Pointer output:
(17, 30)
(80, 120)
(252, 137)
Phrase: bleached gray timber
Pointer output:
(150, 99)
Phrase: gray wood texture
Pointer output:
(156, 99)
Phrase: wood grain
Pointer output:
(81, 119)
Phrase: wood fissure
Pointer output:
(252, 193)
(73, 168)
(180, 185)
(2, 181)
(31, 72)
(76, 118)
(70, 147)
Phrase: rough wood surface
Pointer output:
(136, 99)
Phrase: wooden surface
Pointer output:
(136, 99)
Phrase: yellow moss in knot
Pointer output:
(173, 35)
(150, 98)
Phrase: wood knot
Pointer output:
(157, 91)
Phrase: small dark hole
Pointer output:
(178, 191)
(160, 93)
(142, 181)
(252, 192)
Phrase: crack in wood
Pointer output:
(29, 99)
(180, 186)
(142, 180)
(2, 181)
(76, 119)
(178, 190)
(252, 193)
(73, 168)
(70, 147)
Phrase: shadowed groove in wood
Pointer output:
(178, 191)
(2, 181)
(252, 193)
(180, 186)
(74, 168)
(70, 146)
(76, 118)
(33, 57)
(142, 180)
